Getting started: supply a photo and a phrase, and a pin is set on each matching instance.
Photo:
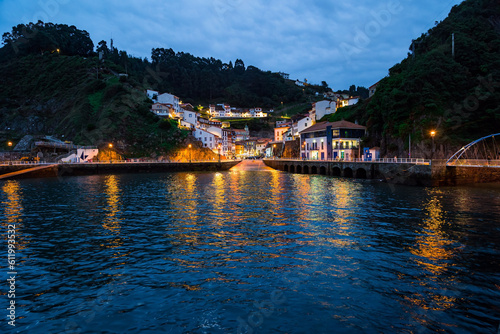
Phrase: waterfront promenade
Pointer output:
(19, 169)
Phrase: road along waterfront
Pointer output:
(245, 250)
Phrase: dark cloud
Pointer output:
(342, 42)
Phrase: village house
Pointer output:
(372, 89)
(170, 99)
(349, 101)
(261, 144)
(332, 140)
(152, 94)
(208, 139)
(162, 109)
(225, 110)
(322, 108)
(280, 131)
(205, 123)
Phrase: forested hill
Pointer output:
(53, 82)
(457, 95)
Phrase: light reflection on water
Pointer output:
(195, 252)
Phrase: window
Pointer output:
(321, 145)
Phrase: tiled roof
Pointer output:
(335, 125)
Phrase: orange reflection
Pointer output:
(13, 211)
(433, 246)
(112, 220)
(13, 206)
(434, 251)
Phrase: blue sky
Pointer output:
(343, 42)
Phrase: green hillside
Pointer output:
(457, 95)
(64, 96)
(52, 82)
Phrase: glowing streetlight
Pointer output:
(433, 133)
(110, 145)
(10, 152)
(189, 153)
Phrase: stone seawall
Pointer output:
(118, 168)
(397, 173)
(435, 174)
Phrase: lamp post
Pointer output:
(10, 152)
(219, 151)
(110, 145)
(274, 151)
(433, 133)
(189, 153)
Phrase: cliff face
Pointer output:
(456, 94)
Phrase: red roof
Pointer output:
(335, 125)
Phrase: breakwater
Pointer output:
(69, 169)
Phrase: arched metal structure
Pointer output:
(483, 151)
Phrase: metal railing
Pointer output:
(132, 161)
(385, 160)
(475, 163)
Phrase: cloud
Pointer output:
(343, 42)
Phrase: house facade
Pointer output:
(279, 132)
(170, 99)
(162, 109)
(332, 141)
(322, 108)
(208, 139)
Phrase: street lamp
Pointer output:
(189, 153)
(433, 133)
(274, 151)
(10, 152)
(219, 151)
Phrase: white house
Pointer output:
(215, 130)
(152, 94)
(170, 99)
(190, 117)
(82, 155)
(162, 109)
(208, 139)
(279, 132)
(322, 108)
(349, 101)
(304, 123)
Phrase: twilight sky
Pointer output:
(343, 42)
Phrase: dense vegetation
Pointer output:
(458, 95)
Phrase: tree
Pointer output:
(239, 67)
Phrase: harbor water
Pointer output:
(250, 250)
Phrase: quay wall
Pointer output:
(435, 174)
(69, 169)
(397, 173)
